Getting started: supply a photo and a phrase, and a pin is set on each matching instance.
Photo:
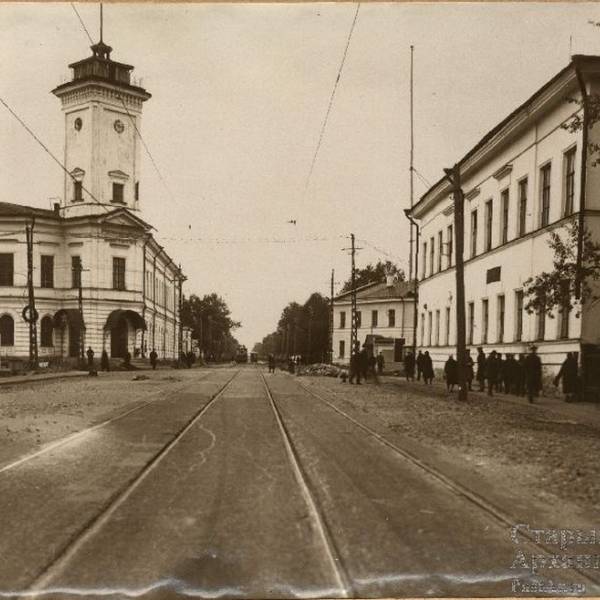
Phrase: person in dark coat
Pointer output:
(481, 368)
(90, 358)
(104, 362)
(427, 368)
(470, 373)
(568, 373)
(271, 363)
(409, 366)
(363, 363)
(419, 363)
(520, 375)
(153, 358)
(501, 373)
(451, 373)
(492, 371)
(533, 373)
(355, 370)
(380, 363)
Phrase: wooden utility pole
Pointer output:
(453, 176)
(79, 269)
(412, 174)
(353, 328)
(331, 323)
(33, 347)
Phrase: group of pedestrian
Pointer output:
(423, 364)
(365, 365)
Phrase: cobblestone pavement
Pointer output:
(549, 456)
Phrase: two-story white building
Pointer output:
(100, 278)
(527, 177)
(385, 321)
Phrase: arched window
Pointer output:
(46, 332)
(7, 331)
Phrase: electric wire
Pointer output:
(329, 106)
(82, 23)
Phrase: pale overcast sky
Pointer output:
(239, 95)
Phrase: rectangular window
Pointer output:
(485, 321)
(523, 207)
(137, 190)
(489, 217)
(450, 242)
(424, 260)
(374, 318)
(437, 327)
(117, 195)
(422, 329)
(47, 272)
(518, 315)
(447, 337)
(470, 322)
(430, 327)
(540, 325)
(7, 269)
(504, 224)
(342, 349)
(431, 254)
(569, 185)
(473, 233)
(77, 191)
(358, 319)
(391, 318)
(440, 250)
(118, 273)
(343, 319)
(501, 311)
(545, 173)
(75, 271)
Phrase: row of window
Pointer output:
(434, 323)
(7, 271)
(7, 331)
(391, 318)
(159, 290)
(118, 192)
(445, 248)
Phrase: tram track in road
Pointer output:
(475, 499)
(337, 565)
(36, 587)
(49, 447)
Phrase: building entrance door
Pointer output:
(74, 341)
(118, 339)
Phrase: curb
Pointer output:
(9, 382)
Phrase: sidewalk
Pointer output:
(40, 377)
(578, 412)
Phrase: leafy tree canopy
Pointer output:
(374, 273)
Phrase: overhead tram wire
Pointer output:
(49, 152)
(329, 106)
(82, 23)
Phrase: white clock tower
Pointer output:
(102, 111)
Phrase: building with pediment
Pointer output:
(100, 277)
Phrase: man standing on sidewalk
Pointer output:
(533, 373)
(481, 368)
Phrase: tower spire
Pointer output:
(101, 21)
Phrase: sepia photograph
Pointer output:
(299, 300)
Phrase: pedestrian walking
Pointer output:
(355, 371)
(533, 374)
(419, 362)
(271, 363)
(520, 375)
(409, 366)
(481, 368)
(427, 368)
(510, 375)
(372, 370)
(90, 358)
(569, 374)
(470, 373)
(492, 371)
(501, 373)
(153, 358)
(104, 362)
(380, 363)
(363, 362)
(451, 373)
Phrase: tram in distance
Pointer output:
(241, 355)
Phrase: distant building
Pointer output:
(385, 318)
(95, 238)
(522, 181)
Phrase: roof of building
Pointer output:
(8, 209)
(381, 291)
(577, 62)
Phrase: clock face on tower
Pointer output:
(119, 127)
